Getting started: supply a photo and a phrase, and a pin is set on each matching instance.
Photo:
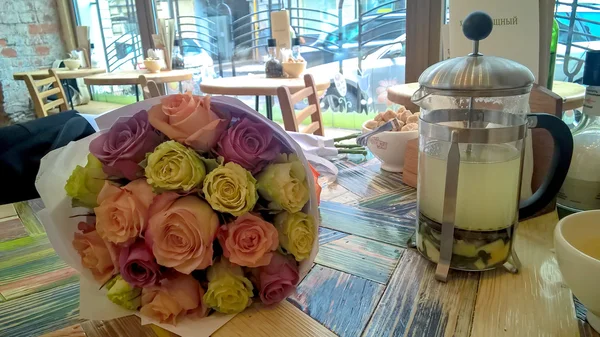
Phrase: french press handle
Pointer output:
(559, 167)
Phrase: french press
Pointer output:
(473, 123)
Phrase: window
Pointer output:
(579, 31)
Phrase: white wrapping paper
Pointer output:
(55, 169)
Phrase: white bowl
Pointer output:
(389, 147)
(72, 64)
(580, 272)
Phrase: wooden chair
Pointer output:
(149, 87)
(39, 98)
(291, 119)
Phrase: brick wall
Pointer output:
(29, 39)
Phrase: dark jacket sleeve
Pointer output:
(22, 146)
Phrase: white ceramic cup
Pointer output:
(580, 272)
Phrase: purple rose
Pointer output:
(138, 266)
(249, 144)
(125, 145)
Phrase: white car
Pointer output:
(381, 69)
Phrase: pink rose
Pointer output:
(138, 266)
(122, 213)
(175, 297)
(189, 120)
(249, 241)
(181, 232)
(97, 255)
(278, 280)
(249, 144)
(125, 145)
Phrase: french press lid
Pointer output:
(476, 75)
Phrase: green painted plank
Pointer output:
(375, 225)
(2, 299)
(415, 304)
(29, 218)
(362, 257)
(23, 246)
(39, 266)
(341, 302)
(40, 313)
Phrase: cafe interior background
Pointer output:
(229, 38)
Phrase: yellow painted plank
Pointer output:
(534, 302)
(7, 211)
(283, 319)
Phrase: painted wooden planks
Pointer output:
(121, 327)
(402, 202)
(70, 331)
(362, 257)
(41, 312)
(328, 235)
(536, 295)
(283, 319)
(7, 211)
(367, 223)
(29, 218)
(340, 301)
(11, 228)
(366, 183)
(40, 282)
(415, 304)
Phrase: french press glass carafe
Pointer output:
(473, 123)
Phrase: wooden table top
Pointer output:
(258, 85)
(63, 73)
(131, 77)
(365, 281)
(572, 94)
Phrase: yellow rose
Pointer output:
(85, 183)
(124, 294)
(296, 233)
(173, 166)
(228, 290)
(284, 184)
(230, 189)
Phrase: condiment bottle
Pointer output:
(273, 68)
(581, 189)
(176, 59)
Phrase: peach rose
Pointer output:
(189, 120)
(181, 232)
(175, 297)
(97, 255)
(249, 241)
(123, 211)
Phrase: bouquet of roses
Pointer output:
(187, 206)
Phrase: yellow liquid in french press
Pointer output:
(488, 187)
(486, 206)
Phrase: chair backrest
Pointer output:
(291, 119)
(149, 87)
(39, 96)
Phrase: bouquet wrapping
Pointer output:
(183, 210)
